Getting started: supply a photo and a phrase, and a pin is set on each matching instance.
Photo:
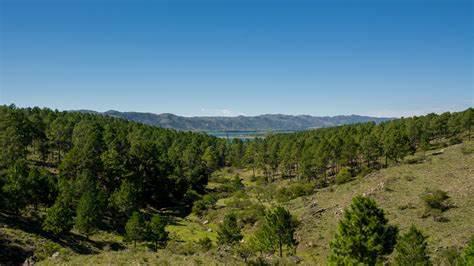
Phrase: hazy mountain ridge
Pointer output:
(223, 123)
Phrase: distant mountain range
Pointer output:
(266, 122)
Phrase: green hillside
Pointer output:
(396, 189)
(88, 189)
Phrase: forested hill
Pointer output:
(261, 122)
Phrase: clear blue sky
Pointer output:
(384, 57)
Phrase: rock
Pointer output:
(29, 262)
(209, 230)
(205, 222)
(55, 255)
(295, 259)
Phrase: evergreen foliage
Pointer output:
(412, 249)
(135, 228)
(229, 231)
(363, 235)
(88, 212)
(156, 232)
(276, 232)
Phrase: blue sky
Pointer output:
(385, 58)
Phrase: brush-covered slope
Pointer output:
(396, 189)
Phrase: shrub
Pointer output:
(455, 140)
(436, 202)
(450, 256)
(238, 203)
(59, 218)
(364, 171)
(190, 196)
(253, 213)
(294, 191)
(45, 250)
(201, 206)
(468, 149)
(186, 248)
(467, 256)
(205, 243)
(436, 199)
(412, 249)
(343, 176)
(229, 231)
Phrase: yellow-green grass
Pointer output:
(396, 189)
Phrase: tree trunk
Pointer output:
(280, 245)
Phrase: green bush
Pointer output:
(450, 256)
(294, 191)
(46, 250)
(201, 206)
(412, 249)
(238, 203)
(253, 213)
(364, 171)
(205, 243)
(436, 202)
(436, 199)
(454, 141)
(343, 176)
(468, 149)
(467, 256)
(180, 248)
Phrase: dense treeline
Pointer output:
(319, 154)
(91, 166)
(88, 169)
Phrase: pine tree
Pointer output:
(210, 158)
(88, 212)
(134, 229)
(229, 230)
(16, 186)
(277, 231)
(124, 200)
(156, 230)
(363, 235)
(412, 249)
(59, 218)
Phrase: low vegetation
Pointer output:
(82, 188)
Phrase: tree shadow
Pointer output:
(77, 243)
(12, 254)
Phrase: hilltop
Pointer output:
(266, 122)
